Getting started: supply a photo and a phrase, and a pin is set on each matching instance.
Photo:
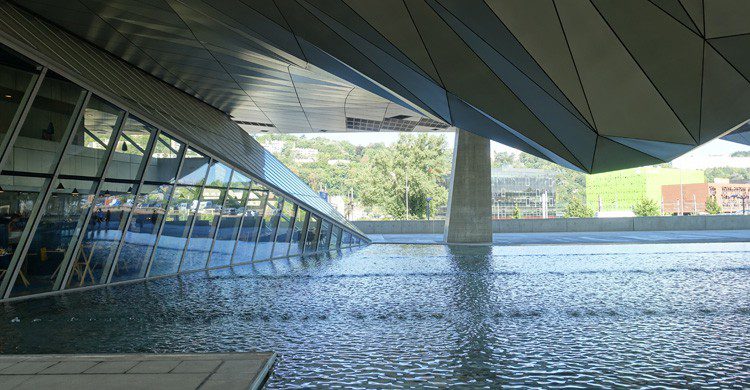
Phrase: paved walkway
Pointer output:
(624, 237)
(224, 371)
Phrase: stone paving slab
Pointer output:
(136, 371)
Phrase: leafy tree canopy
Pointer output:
(646, 207)
(419, 162)
(576, 208)
(712, 206)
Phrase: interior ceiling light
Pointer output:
(124, 146)
(60, 186)
(75, 192)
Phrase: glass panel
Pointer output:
(59, 227)
(335, 235)
(15, 79)
(325, 235)
(268, 228)
(229, 226)
(141, 234)
(194, 168)
(40, 142)
(239, 180)
(311, 240)
(347, 241)
(129, 150)
(164, 161)
(218, 175)
(102, 236)
(256, 202)
(87, 152)
(285, 229)
(16, 202)
(173, 237)
(297, 241)
(204, 227)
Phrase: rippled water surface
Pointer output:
(434, 316)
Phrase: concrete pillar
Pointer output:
(469, 216)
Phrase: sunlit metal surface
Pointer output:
(592, 85)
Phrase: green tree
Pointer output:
(712, 206)
(646, 207)
(502, 158)
(736, 174)
(419, 162)
(516, 212)
(577, 208)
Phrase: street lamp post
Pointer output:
(429, 199)
(406, 192)
(743, 198)
(407, 195)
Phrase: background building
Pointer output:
(732, 197)
(531, 190)
(621, 190)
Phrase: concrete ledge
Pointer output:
(136, 371)
(672, 223)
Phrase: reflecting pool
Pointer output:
(434, 316)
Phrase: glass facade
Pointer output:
(325, 236)
(528, 192)
(297, 242)
(267, 233)
(251, 219)
(283, 232)
(204, 228)
(91, 195)
(229, 227)
(311, 238)
(175, 230)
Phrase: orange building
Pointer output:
(730, 196)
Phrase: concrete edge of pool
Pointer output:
(203, 371)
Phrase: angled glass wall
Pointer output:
(311, 238)
(90, 194)
(335, 237)
(324, 238)
(204, 227)
(251, 221)
(267, 233)
(18, 201)
(284, 230)
(297, 242)
(175, 230)
(229, 227)
(140, 236)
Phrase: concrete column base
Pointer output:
(469, 216)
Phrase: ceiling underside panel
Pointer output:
(593, 85)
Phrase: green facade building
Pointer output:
(621, 190)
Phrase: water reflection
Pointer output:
(408, 316)
(471, 293)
